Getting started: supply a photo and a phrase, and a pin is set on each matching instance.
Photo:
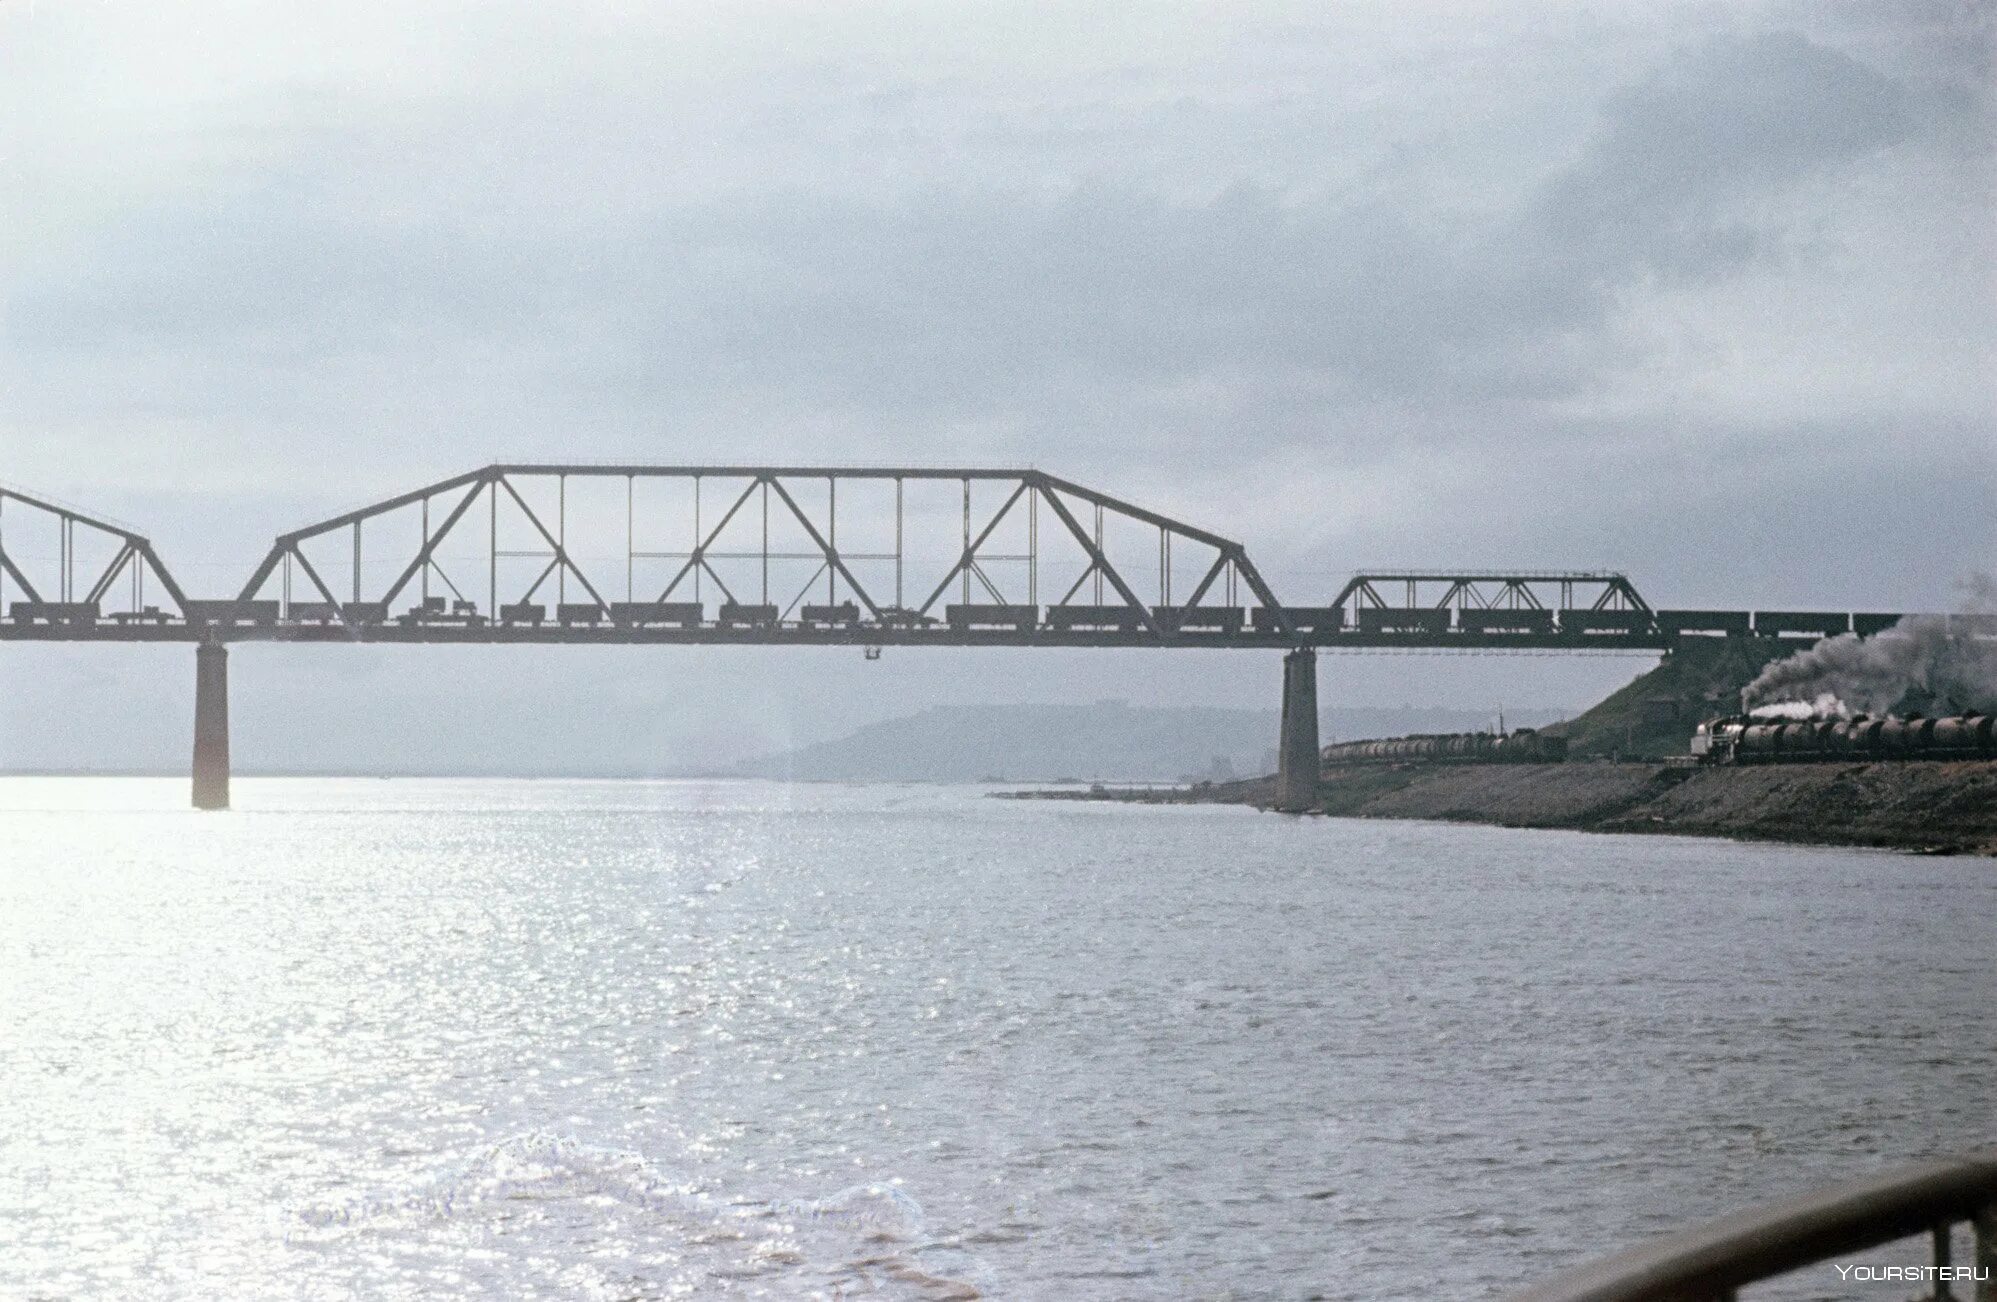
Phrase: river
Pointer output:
(413, 1039)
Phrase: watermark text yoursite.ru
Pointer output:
(1914, 1274)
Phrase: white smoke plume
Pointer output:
(1952, 659)
(1825, 706)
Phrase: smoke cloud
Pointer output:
(1825, 706)
(1950, 662)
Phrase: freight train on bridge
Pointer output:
(435, 618)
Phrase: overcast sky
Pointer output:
(1699, 291)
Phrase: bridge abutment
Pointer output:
(1297, 750)
(211, 726)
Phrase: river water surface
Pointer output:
(402, 1039)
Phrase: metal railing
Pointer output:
(1712, 1262)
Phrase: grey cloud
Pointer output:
(987, 294)
(1729, 120)
(975, 298)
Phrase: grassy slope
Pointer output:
(1699, 679)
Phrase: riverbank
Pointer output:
(1937, 808)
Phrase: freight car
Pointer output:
(230, 612)
(54, 612)
(1743, 739)
(1524, 746)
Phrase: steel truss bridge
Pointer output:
(735, 554)
(797, 556)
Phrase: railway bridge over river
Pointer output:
(660, 555)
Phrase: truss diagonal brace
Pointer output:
(561, 553)
(972, 551)
(1253, 577)
(699, 556)
(7, 564)
(111, 572)
(1213, 572)
(430, 544)
(162, 573)
(1100, 561)
(298, 554)
(831, 556)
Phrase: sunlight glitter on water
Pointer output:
(402, 1038)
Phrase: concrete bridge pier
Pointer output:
(1297, 757)
(211, 726)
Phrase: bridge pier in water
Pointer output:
(1297, 750)
(211, 726)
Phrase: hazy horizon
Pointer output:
(1191, 738)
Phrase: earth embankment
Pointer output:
(1936, 807)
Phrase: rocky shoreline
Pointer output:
(1920, 806)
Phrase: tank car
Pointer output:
(1737, 739)
(1521, 747)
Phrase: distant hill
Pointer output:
(1107, 740)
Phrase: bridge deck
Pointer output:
(845, 636)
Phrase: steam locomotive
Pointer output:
(1523, 746)
(1742, 739)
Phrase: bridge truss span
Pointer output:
(1575, 603)
(730, 553)
(61, 569)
